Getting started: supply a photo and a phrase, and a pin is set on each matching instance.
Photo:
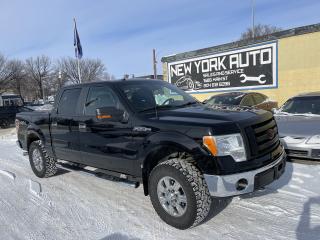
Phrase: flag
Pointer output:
(76, 42)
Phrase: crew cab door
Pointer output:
(65, 127)
(105, 143)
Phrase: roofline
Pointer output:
(111, 82)
(308, 94)
(227, 46)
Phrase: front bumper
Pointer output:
(246, 182)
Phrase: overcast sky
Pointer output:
(123, 33)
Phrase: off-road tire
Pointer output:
(194, 186)
(49, 164)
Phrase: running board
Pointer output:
(101, 173)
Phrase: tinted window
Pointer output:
(147, 96)
(68, 102)
(226, 99)
(259, 98)
(302, 105)
(247, 101)
(99, 97)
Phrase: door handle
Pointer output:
(82, 126)
(54, 124)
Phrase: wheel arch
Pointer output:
(33, 136)
(163, 151)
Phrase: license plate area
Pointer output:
(264, 178)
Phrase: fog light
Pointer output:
(242, 184)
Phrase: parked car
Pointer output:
(299, 126)
(7, 100)
(8, 114)
(248, 99)
(182, 151)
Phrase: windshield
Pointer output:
(225, 99)
(302, 105)
(150, 95)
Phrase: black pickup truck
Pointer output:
(151, 132)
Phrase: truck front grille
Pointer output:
(263, 137)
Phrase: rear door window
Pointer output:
(69, 101)
(99, 97)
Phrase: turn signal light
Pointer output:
(210, 144)
(104, 116)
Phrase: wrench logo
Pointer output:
(252, 78)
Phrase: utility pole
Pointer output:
(253, 12)
(154, 60)
(43, 97)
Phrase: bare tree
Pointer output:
(38, 70)
(90, 70)
(5, 74)
(108, 77)
(54, 82)
(259, 30)
(18, 75)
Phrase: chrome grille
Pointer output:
(297, 152)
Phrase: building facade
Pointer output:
(280, 66)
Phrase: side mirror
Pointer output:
(111, 114)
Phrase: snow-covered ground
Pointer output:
(74, 205)
(45, 107)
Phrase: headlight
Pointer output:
(225, 145)
(314, 140)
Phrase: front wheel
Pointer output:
(179, 193)
(41, 164)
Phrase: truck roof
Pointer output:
(137, 80)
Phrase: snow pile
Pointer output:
(45, 107)
(8, 134)
(73, 205)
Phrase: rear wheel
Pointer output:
(41, 164)
(179, 193)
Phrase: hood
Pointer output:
(298, 126)
(204, 114)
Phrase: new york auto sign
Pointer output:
(252, 67)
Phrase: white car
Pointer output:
(299, 126)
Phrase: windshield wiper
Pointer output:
(159, 107)
(187, 104)
(156, 108)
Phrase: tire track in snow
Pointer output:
(8, 174)
(35, 188)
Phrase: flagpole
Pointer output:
(78, 59)
(79, 74)
(252, 16)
